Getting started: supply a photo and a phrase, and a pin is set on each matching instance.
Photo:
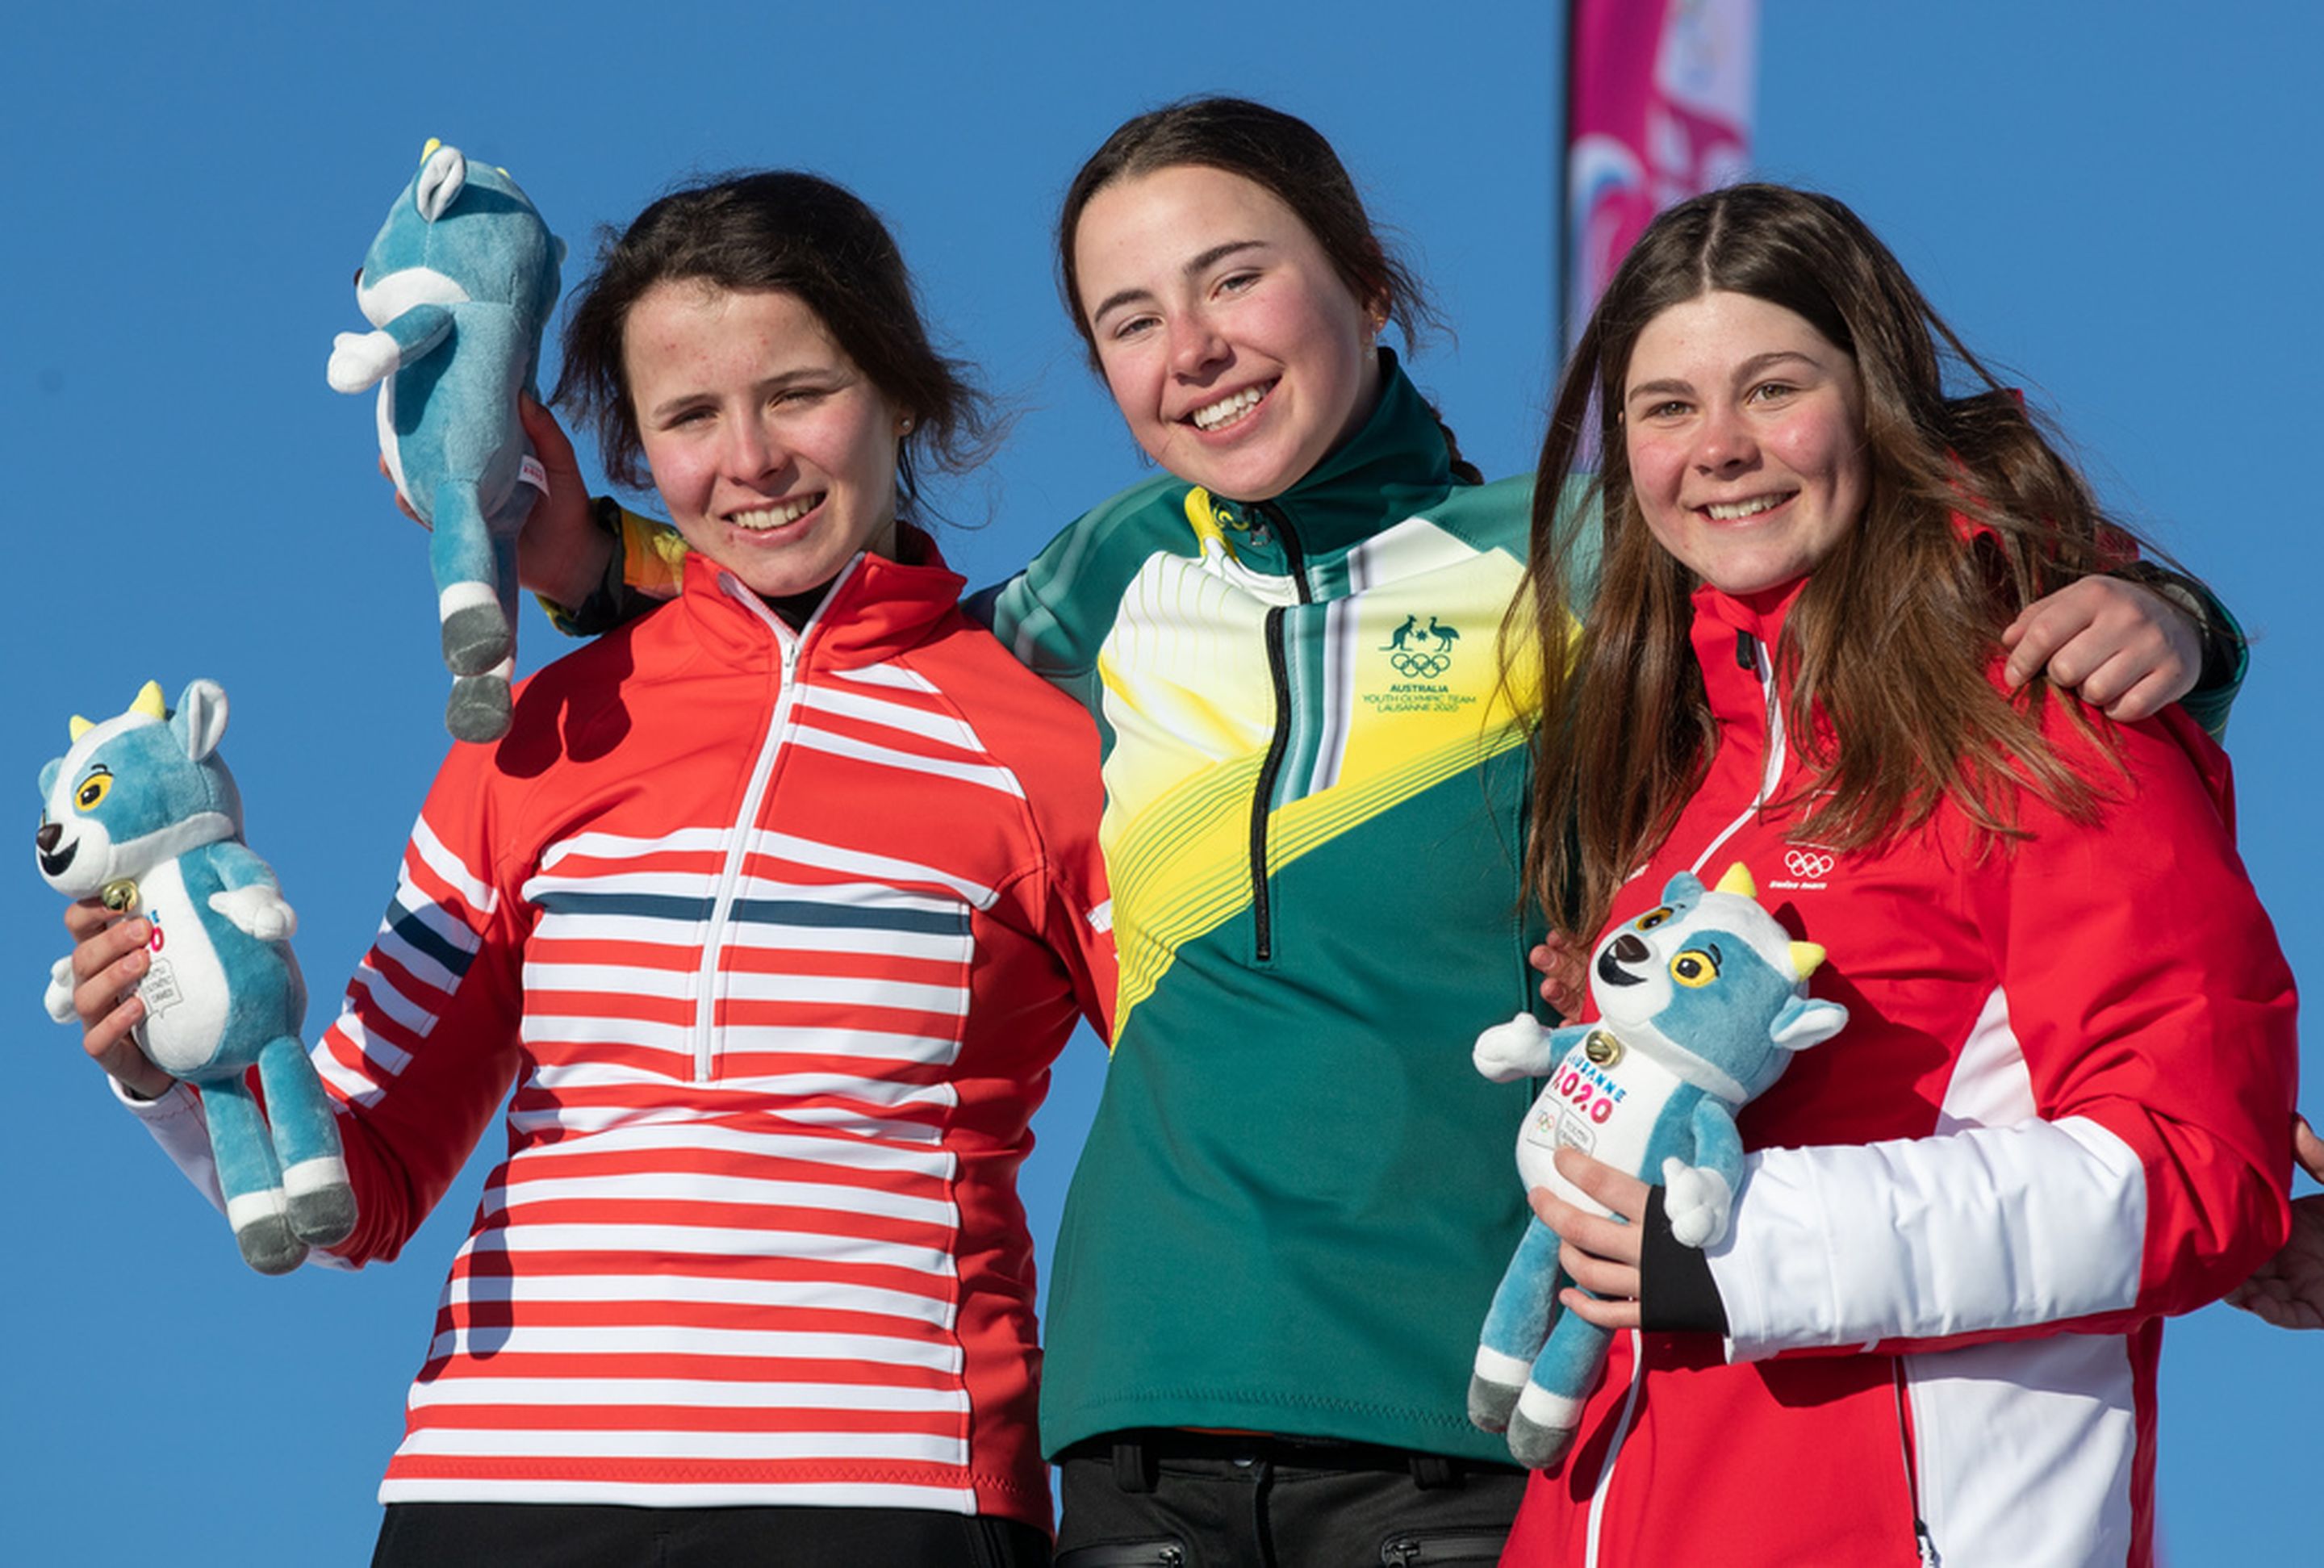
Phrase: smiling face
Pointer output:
(774, 454)
(1236, 354)
(1744, 431)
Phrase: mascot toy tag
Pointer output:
(143, 813)
(1701, 1001)
(458, 285)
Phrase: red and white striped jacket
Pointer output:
(2059, 1110)
(775, 936)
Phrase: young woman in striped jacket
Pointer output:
(772, 909)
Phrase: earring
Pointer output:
(904, 425)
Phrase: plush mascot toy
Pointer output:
(458, 285)
(1701, 1001)
(143, 813)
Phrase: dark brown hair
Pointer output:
(1288, 158)
(1970, 515)
(771, 230)
(1281, 153)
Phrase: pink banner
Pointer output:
(1658, 108)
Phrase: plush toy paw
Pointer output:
(361, 360)
(323, 1219)
(259, 911)
(478, 708)
(1534, 1445)
(321, 1202)
(1697, 1200)
(59, 999)
(1491, 1403)
(264, 1236)
(1515, 1049)
(1542, 1426)
(476, 638)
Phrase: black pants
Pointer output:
(1180, 1499)
(591, 1535)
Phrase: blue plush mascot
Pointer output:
(143, 813)
(458, 285)
(1701, 1001)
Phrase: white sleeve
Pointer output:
(1992, 1228)
(178, 1125)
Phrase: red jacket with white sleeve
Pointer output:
(775, 935)
(2058, 1111)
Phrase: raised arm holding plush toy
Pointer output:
(457, 285)
(143, 814)
(765, 924)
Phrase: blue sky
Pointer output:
(2118, 203)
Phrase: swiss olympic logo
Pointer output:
(1808, 862)
(1408, 653)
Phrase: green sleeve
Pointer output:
(2226, 655)
(1031, 629)
(643, 572)
(1055, 616)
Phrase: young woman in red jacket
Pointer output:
(2061, 1108)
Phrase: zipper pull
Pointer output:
(1746, 653)
(1926, 1541)
(1402, 1552)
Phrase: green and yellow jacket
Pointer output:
(1297, 1197)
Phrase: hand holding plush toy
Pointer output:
(143, 813)
(458, 284)
(1701, 1001)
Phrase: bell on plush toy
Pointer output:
(143, 813)
(1701, 1001)
(458, 285)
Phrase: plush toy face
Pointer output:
(136, 790)
(1711, 977)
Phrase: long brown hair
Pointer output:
(1970, 515)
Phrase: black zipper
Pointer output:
(1278, 671)
(1442, 1546)
(1921, 1540)
(1157, 1552)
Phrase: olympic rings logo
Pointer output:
(1420, 666)
(1807, 863)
